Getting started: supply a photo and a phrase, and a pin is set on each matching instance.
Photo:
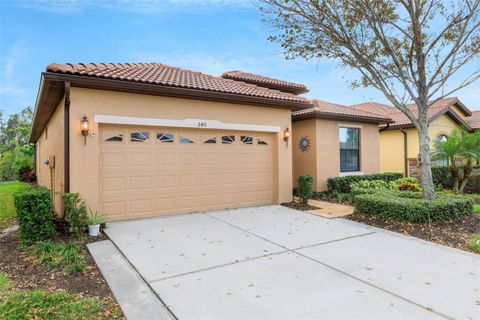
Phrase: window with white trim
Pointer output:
(349, 149)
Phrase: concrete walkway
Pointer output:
(272, 262)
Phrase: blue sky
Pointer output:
(211, 36)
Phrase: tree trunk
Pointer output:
(467, 172)
(425, 162)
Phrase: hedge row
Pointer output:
(34, 214)
(441, 176)
(409, 206)
(342, 184)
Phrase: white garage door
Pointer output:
(146, 171)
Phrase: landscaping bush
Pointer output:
(406, 184)
(409, 206)
(34, 213)
(26, 174)
(370, 184)
(304, 189)
(441, 176)
(75, 212)
(473, 185)
(474, 244)
(338, 185)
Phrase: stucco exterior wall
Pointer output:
(304, 162)
(392, 149)
(84, 168)
(49, 145)
(326, 149)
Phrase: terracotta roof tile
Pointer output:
(399, 118)
(474, 120)
(327, 109)
(265, 81)
(160, 74)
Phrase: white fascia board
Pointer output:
(186, 123)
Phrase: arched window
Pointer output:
(442, 138)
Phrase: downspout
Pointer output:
(405, 150)
(66, 138)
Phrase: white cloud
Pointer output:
(10, 84)
(137, 6)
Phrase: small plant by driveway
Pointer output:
(67, 256)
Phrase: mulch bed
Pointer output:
(456, 233)
(299, 206)
(28, 273)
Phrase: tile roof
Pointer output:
(263, 81)
(400, 119)
(323, 109)
(474, 120)
(163, 75)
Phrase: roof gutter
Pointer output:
(384, 128)
(405, 150)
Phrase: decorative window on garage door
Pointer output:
(209, 139)
(229, 139)
(263, 141)
(112, 136)
(164, 137)
(186, 138)
(246, 139)
(139, 136)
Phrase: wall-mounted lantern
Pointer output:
(84, 127)
(286, 135)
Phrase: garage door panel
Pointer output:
(140, 159)
(170, 175)
(115, 160)
(140, 183)
(112, 184)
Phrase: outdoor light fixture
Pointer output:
(286, 135)
(84, 127)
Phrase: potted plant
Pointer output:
(94, 221)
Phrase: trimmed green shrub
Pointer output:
(406, 184)
(35, 214)
(409, 206)
(370, 184)
(75, 212)
(305, 189)
(343, 184)
(441, 176)
(473, 185)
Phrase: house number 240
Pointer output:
(202, 125)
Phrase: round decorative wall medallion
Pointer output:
(304, 144)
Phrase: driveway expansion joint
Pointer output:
(295, 251)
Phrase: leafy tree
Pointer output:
(407, 49)
(460, 147)
(15, 151)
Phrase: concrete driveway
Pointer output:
(272, 262)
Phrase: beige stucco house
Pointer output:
(140, 140)
(161, 140)
(331, 140)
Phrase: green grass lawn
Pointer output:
(476, 208)
(7, 208)
(45, 304)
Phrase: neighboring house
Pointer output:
(399, 147)
(162, 140)
(331, 140)
(474, 120)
